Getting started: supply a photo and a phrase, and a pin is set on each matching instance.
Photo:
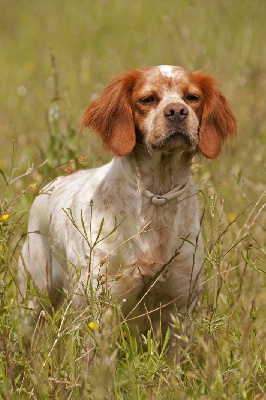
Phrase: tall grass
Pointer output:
(91, 42)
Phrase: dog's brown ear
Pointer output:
(111, 115)
(218, 121)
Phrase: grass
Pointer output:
(92, 41)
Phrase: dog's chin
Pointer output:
(173, 142)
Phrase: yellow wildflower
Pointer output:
(83, 158)
(4, 217)
(33, 187)
(103, 261)
(94, 326)
(119, 276)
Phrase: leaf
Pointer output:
(99, 233)
(3, 175)
(253, 266)
(83, 226)
(165, 342)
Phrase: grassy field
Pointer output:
(57, 55)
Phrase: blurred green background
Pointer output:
(70, 50)
(94, 40)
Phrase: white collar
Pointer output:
(156, 199)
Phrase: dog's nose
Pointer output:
(176, 111)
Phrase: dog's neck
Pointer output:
(157, 171)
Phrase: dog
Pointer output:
(134, 222)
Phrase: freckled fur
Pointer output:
(147, 236)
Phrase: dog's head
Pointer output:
(166, 108)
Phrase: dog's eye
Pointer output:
(192, 97)
(149, 100)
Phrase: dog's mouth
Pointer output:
(179, 135)
(173, 140)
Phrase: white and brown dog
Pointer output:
(142, 233)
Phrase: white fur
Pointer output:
(64, 224)
(166, 70)
(171, 71)
(146, 239)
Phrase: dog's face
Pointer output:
(166, 108)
